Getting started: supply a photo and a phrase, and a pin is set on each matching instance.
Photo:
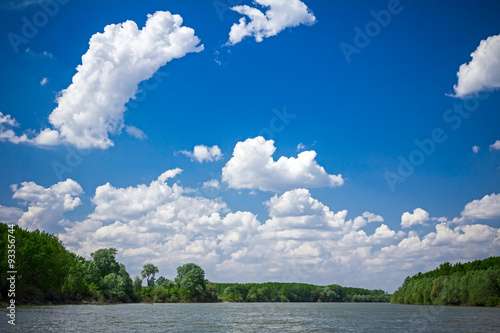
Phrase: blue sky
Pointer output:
(360, 114)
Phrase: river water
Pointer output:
(253, 317)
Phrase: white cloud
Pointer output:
(294, 203)
(177, 229)
(383, 234)
(7, 120)
(486, 208)
(10, 214)
(303, 240)
(475, 149)
(296, 215)
(300, 147)
(496, 145)
(44, 81)
(372, 217)
(414, 254)
(281, 14)
(121, 57)
(202, 153)
(135, 132)
(42, 54)
(116, 62)
(46, 206)
(252, 167)
(172, 226)
(419, 216)
(46, 137)
(6, 132)
(482, 73)
(127, 203)
(212, 183)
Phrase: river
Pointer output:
(253, 317)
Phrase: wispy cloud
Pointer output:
(496, 145)
(45, 54)
(135, 132)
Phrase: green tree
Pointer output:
(104, 262)
(161, 281)
(148, 273)
(160, 294)
(50, 273)
(472, 283)
(114, 287)
(44, 265)
(137, 285)
(191, 278)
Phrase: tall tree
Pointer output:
(103, 263)
(191, 278)
(137, 285)
(148, 273)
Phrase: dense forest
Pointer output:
(48, 273)
(472, 283)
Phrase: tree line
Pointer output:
(296, 292)
(48, 273)
(475, 283)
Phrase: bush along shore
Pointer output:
(475, 283)
(47, 273)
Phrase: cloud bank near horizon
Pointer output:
(302, 240)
